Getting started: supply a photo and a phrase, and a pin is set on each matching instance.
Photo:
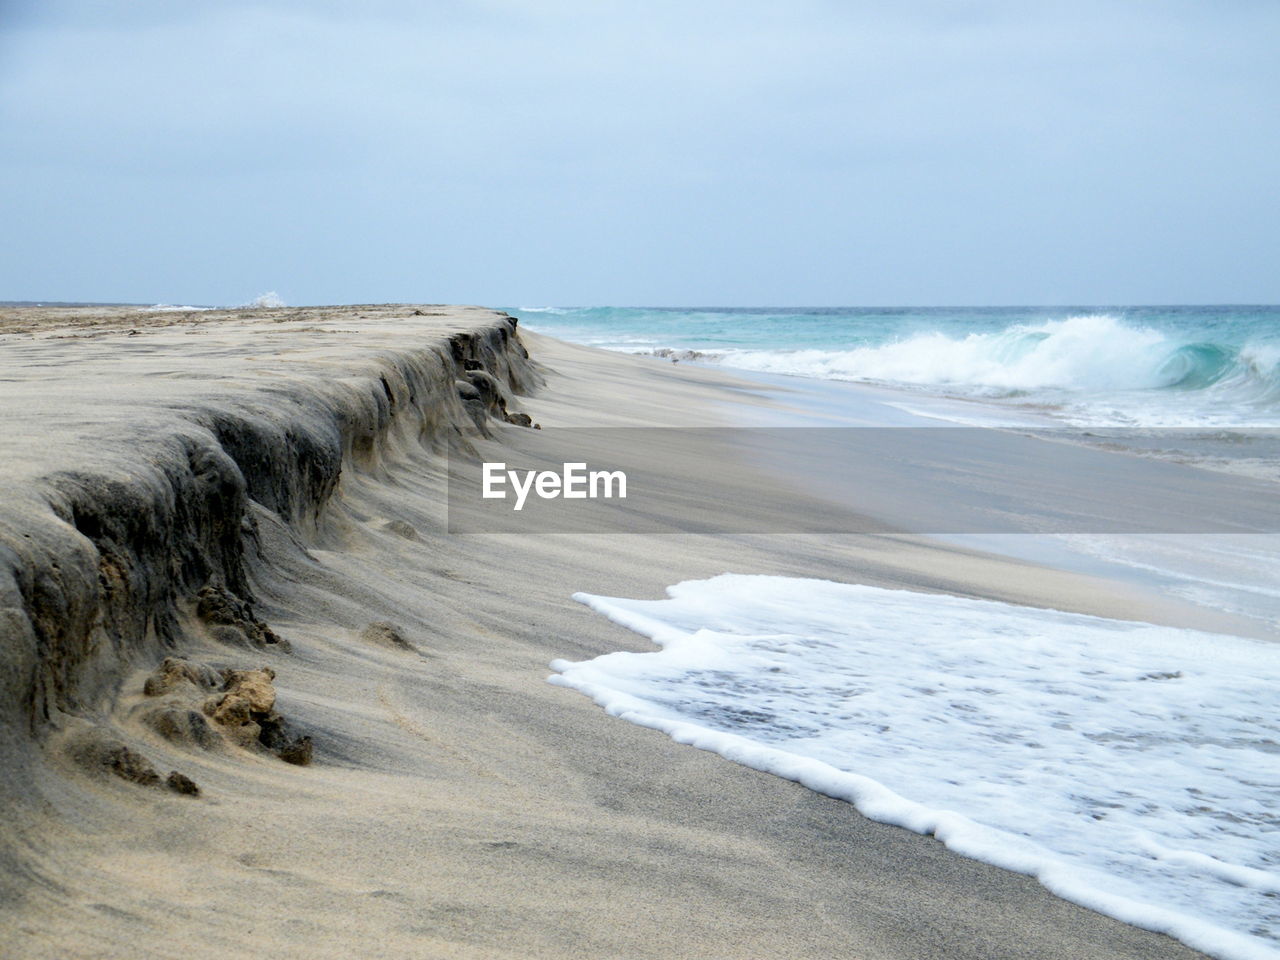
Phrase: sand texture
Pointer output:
(255, 700)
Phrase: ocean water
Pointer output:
(1131, 768)
(1088, 366)
(1194, 384)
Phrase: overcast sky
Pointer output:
(537, 152)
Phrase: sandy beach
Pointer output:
(455, 803)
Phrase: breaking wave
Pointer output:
(1086, 355)
(1140, 366)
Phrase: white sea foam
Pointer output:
(1087, 353)
(270, 300)
(172, 308)
(1149, 367)
(1092, 370)
(1131, 768)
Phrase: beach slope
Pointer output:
(377, 766)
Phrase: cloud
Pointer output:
(864, 150)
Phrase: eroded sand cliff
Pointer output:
(142, 454)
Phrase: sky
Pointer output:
(608, 152)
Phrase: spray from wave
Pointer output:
(1085, 364)
(268, 300)
(1084, 354)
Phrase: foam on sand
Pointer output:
(1131, 768)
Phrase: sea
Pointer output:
(1131, 768)
(1181, 366)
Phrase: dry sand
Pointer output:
(457, 805)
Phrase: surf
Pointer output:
(1129, 768)
(1150, 367)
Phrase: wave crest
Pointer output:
(1158, 367)
(1056, 362)
(1086, 353)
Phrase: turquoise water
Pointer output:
(1134, 366)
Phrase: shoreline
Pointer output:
(1201, 569)
(458, 804)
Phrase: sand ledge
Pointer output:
(99, 553)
